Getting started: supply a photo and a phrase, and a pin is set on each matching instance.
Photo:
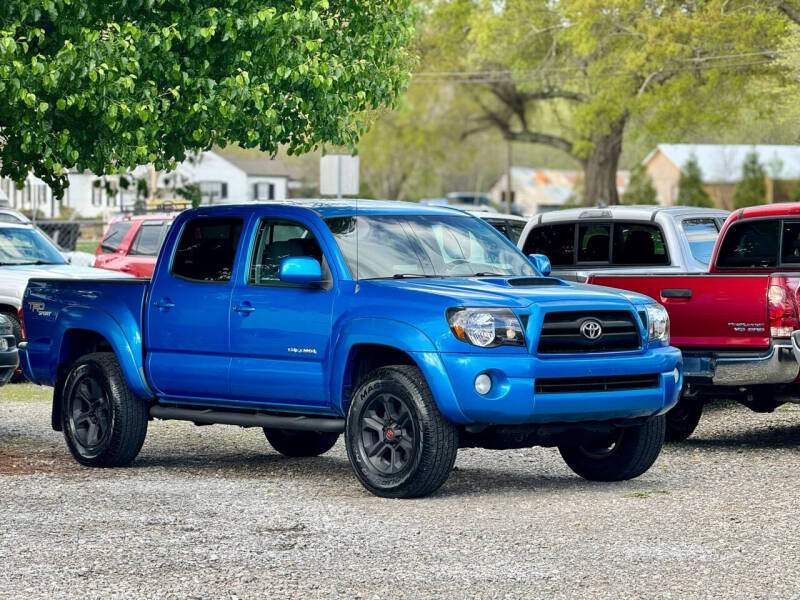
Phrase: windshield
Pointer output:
(396, 246)
(701, 235)
(27, 247)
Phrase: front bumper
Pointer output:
(512, 399)
(779, 365)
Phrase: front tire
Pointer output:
(626, 454)
(398, 443)
(103, 424)
(683, 419)
(300, 443)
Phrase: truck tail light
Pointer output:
(21, 324)
(782, 308)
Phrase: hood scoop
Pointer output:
(534, 281)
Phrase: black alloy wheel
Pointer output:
(89, 418)
(388, 438)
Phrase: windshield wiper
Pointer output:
(488, 274)
(28, 264)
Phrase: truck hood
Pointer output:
(13, 280)
(512, 292)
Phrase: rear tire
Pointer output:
(398, 443)
(103, 424)
(682, 419)
(300, 443)
(626, 455)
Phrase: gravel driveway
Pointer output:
(213, 512)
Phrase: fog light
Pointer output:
(483, 383)
(676, 374)
(3, 344)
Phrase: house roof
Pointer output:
(722, 163)
(256, 166)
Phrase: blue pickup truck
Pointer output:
(414, 330)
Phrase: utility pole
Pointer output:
(508, 176)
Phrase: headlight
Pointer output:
(657, 323)
(486, 327)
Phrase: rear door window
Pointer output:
(790, 251)
(701, 235)
(556, 241)
(114, 236)
(207, 249)
(636, 244)
(149, 238)
(593, 242)
(750, 245)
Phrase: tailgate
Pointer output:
(706, 311)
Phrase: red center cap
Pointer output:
(389, 433)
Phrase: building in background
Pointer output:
(721, 169)
(535, 190)
(220, 178)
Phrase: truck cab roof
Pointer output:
(628, 213)
(334, 208)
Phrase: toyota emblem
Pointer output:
(591, 329)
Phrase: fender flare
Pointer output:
(401, 336)
(128, 349)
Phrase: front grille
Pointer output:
(565, 385)
(561, 332)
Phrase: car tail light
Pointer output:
(21, 324)
(782, 309)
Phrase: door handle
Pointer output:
(244, 308)
(676, 293)
(164, 303)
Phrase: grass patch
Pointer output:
(647, 494)
(86, 246)
(25, 392)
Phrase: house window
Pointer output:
(97, 194)
(213, 191)
(263, 191)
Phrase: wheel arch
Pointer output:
(105, 335)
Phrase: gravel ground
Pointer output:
(213, 512)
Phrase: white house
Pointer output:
(221, 177)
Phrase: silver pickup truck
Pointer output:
(624, 239)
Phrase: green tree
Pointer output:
(640, 188)
(752, 189)
(106, 86)
(690, 186)
(573, 74)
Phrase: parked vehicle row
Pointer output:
(732, 296)
(413, 330)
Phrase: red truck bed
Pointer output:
(706, 311)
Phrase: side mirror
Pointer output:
(542, 263)
(300, 270)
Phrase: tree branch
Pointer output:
(552, 93)
(790, 11)
(534, 137)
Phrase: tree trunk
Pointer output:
(600, 168)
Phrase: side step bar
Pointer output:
(210, 417)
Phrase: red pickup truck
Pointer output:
(131, 244)
(735, 323)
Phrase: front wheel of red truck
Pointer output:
(398, 443)
(103, 424)
(626, 454)
(683, 418)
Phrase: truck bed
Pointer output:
(706, 311)
(55, 309)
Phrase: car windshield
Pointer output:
(27, 247)
(701, 235)
(397, 246)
